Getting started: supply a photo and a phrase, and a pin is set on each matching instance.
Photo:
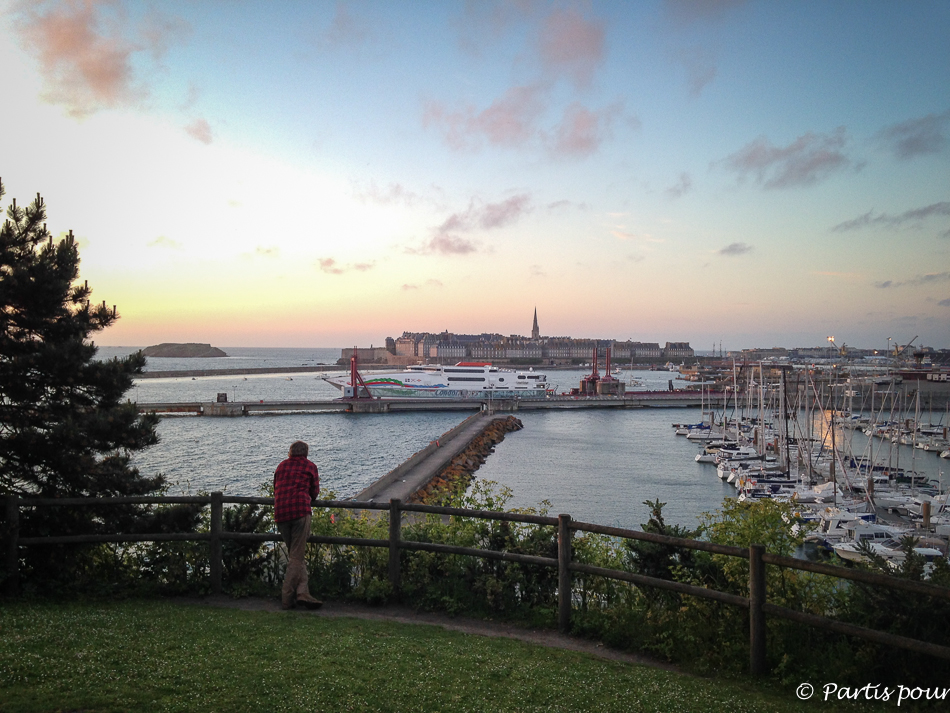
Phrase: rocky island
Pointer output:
(188, 351)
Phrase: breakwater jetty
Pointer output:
(248, 371)
(446, 462)
(634, 399)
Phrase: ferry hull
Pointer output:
(394, 392)
(390, 388)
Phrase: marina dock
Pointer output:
(635, 399)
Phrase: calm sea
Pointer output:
(596, 465)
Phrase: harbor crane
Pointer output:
(898, 352)
(842, 350)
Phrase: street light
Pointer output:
(888, 347)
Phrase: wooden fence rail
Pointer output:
(758, 558)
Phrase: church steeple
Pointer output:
(535, 332)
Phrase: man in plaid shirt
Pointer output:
(296, 483)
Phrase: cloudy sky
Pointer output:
(332, 173)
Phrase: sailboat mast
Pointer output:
(788, 459)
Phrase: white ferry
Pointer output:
(463, 380)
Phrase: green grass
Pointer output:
(162, 656)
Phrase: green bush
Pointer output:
(472, 585)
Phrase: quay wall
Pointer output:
(934, 395)
(643, 399)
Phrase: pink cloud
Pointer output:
(331, 267)
(582, 130)
(571, 45)
(497, 215)
(510, 120)
(429, 283)
(83, 68)
(700, 67)
(191, 98)
(345, 29)
(912, 216)
(85, 56)
(443, 244)
(807, 160)
(564, 203)
(917, 137)
(200, 130)
(735, 249)
(393, 193)
(160, 32)
(488, 216)
(683, 186)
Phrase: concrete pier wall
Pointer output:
(656, 399)
(416, 472)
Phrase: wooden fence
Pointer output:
(758, 558)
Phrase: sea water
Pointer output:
(597, 465)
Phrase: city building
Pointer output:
(446, 347)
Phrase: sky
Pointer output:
(743, 174)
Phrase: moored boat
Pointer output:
(460, 381)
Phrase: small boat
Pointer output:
(711, 450)
(883, 544)
(737, 453)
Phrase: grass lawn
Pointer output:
(162, 656)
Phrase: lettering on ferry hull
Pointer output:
(390, 392)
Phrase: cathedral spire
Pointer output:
(535, 332)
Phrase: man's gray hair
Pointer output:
(299, 449)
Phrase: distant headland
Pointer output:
(188, 351)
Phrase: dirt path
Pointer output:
(406, 615)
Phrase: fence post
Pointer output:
(563, 573)
(395, 535)
(217, 511)
(13, 535)
(756, 614)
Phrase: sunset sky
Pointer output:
(327, 174)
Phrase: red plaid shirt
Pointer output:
(296, 483)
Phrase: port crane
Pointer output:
(898, 352)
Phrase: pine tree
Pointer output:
(65, 428)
